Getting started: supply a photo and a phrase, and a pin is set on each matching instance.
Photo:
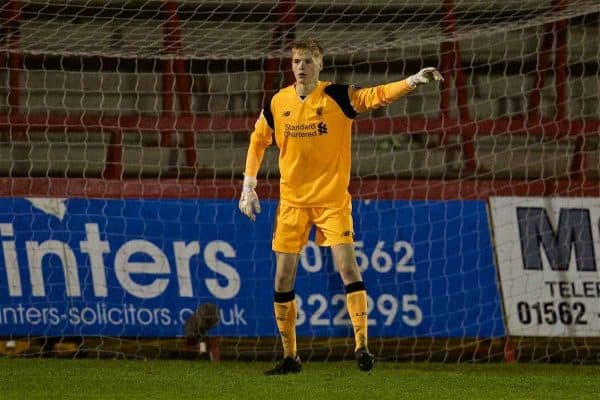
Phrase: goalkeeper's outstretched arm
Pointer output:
(260, 139)
(377, 96)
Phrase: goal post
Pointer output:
(123, 132)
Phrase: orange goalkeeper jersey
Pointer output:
(314, 139)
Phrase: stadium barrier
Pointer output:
(136, 269)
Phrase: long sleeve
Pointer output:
(377, 96)
(261, 138)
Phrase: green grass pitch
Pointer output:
(164, 379)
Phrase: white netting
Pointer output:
(169, 89)
(215, 30)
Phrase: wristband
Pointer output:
(249, 183)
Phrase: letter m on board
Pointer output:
(573, 233)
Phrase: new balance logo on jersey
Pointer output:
(322, 128)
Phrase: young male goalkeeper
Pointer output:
(311, 121)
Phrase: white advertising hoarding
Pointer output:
(548, 253)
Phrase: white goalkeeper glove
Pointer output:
(426, 75)
(249, 203)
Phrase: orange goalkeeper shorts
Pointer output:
(293, 224)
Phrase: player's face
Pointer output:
(306, 67)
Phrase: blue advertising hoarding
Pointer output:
(138, 268)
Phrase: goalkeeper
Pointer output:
(311, 123)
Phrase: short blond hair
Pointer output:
(310, 45)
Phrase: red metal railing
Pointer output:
(12, 15)
(451, 66)
(549, 127)
(176, 83)
(376, 189)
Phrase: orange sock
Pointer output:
(356, 298)
(285, 316)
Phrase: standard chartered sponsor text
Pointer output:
(159, 273)
(300, 130)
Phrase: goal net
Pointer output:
(124, 126)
